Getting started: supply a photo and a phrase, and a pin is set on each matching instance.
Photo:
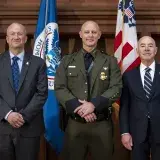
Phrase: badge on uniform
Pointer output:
(71, 66)
(103, 76)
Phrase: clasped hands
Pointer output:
(15, 119)
(86, 111)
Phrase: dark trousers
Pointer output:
(17, 147)
(146, 149)
(95, 138)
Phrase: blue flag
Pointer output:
(47, 47)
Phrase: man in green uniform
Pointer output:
(87, 82)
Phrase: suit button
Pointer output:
(85, 91)
(85, 82)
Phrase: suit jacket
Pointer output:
(71, 80)
(134, 106)
(32, 94)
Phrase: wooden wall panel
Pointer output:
(77, 11)
(2, 44)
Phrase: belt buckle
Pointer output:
(78, 119)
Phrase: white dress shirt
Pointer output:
(142, 71)
(20, 63)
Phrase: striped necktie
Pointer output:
(147, 82)
(15, 73)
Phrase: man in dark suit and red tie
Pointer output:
(23, 92)
(140, 105)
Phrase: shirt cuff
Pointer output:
(99, 102)
(71, 105)
(124, 134)
(7, 115)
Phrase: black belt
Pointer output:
(100, 117)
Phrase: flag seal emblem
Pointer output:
(47, 42)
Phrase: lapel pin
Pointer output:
(27, 63)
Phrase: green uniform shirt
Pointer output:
(105, 80)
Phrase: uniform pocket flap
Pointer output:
(72, 72)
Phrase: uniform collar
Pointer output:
(93, 52)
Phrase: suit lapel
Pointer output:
(98, 63)
(155, 80)
(7, 66)
(138, 84)
(25, 66)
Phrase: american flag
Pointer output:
(129, 13)
(126, 36)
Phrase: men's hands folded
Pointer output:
(86, 111)
(15, 120)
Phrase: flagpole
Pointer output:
(46, 19)
(123, 21)
(46, 14)
(121, 64)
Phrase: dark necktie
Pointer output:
(88, 60)
(147, 82)
(15, 73)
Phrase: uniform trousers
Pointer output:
(95, 138)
